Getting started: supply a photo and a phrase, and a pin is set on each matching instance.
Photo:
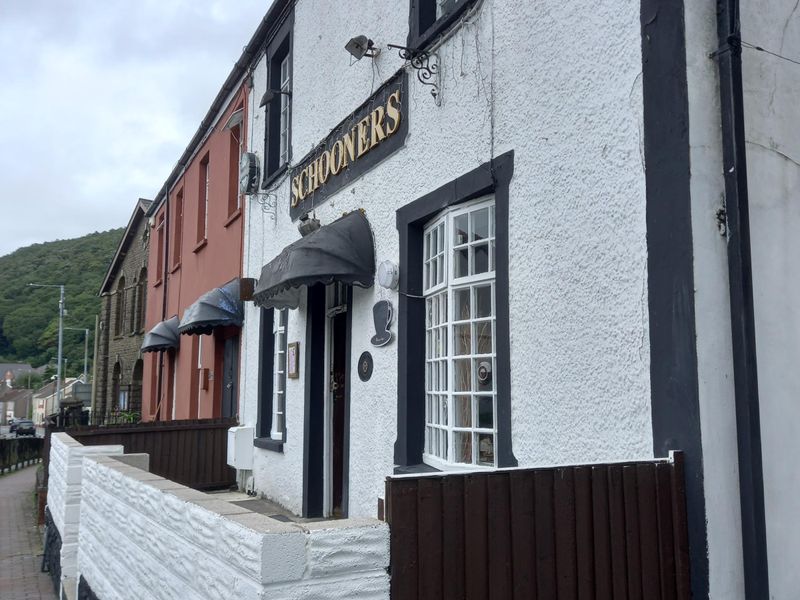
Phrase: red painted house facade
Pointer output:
(193, 315)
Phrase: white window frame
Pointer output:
(440, 354)
(283, 147)
(279, 318)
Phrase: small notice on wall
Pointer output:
(293, 360)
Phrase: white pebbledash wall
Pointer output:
(772, 133)
(142, 536)
(65, 477)
(521, 76)
(771, 86)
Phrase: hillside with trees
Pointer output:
(29, 315)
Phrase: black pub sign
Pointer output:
(367, 136)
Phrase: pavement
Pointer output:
(20, 540)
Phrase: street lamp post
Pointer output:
(60, 333)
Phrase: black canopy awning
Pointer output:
(342, 251)
(162, 337)
(217, 308)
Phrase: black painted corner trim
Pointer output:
(266, 443)
(674, 384)
(491, 177)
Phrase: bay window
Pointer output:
(459, 290)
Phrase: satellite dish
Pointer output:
(248, 173)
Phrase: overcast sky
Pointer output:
(98, 99)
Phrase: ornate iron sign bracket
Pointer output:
(426, 65)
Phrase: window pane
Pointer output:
(462, 447)
(485, 449)
(483, 337)
(460, 229)
(443, 446)
(485, 412)
(463, 414)
(483, 301)
(462, 305)
(484, 377)
(443, 308)
(462, 343)
(480, 224)
(480, 259)
(440, 246)
(462, 375)
(461, 262)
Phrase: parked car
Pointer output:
(25, 427)
(12, 425)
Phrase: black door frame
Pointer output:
(314, 414)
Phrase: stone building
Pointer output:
(118, 363)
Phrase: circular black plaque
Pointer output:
(365, 366)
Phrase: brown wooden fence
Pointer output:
(191, 452)
(579, 532)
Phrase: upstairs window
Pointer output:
(460, 356)
(160, 248)
(177, 229)
(283, 125)
(203, 198)
(278, 102)
(141, 300)
(236, 148)
(429, 18)
(119, 317)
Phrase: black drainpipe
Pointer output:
(751, 476)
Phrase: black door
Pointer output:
(230, 371)
(338, 401)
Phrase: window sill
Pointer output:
(415, 469)
(441, 26)
(157, 282)
(266, 443)
(272, 177)
(200, 245)
(175, 267)
(234, 216)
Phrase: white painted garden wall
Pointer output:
(65, 477)
(522, 76)
(142, 536)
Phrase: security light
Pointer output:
(269, 96)
(361, 46)
(307, 225)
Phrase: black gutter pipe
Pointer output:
(745, 371)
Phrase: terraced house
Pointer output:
(118, 364)
(501, 296)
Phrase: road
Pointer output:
(5, 435)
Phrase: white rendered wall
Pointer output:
(522, 76)
(712, 308)
(772, 132)
(65, 475)
(142, 536)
